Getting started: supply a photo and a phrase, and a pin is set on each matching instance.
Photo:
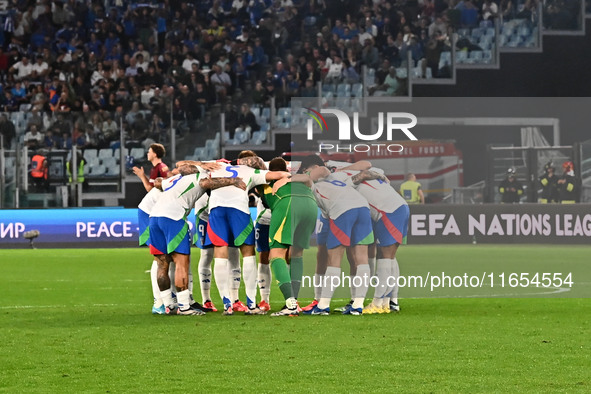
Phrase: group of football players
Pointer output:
(360, 214)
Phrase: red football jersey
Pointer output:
(159, 170)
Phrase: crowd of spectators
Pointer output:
(94, 64)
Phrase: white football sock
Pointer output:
(184, 298)
(363, 275)
(318, 281)
(396, 274)
(234, 260)
(221, 271)
(249, 264)
(372, 265)
(190, 278)
(328, 290)
(264, 280)
(166, 297)
(205, 273)
(154, 280)
(383, 271)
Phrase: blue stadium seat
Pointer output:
(343, 90)
(97, 171)
(117, 153)
(199, 152)
(486, 57)
(464, 32)
(92, 154)
(113, 171)
(370, 77)
(265, 127)
(475, 57)
(489, 32)
(266, 113)
(138, 153)
(108, 162)
(357, 90)
(328, 87)
(283, 113)
(342, 103)
(461, 57)
(477, 32)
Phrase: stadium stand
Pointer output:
(86, 72)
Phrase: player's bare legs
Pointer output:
(181, 279)
(164, 261)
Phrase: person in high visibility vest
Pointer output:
(40, 172)
(567, 184)
(411, 190)
(80, 172)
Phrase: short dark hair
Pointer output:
(278, 164)
(310, 161)
(246, 153)
(159, 150)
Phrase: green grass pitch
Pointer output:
(79, 320)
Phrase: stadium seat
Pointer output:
(226, 136)
(461, 57)
(486, 57)
(90, 154)
(93, 162)
(265, 127)
(103, 153)
(463, 32)
(240, 137)
(199, 152)
(342, 103)
(95, 171)
(108, 162)
(211, 154)
(117, 152)
(357, 90)
(515, 41)
(258, 137)
(343, 90)
(327, 87)
(486, 24)
(370, 77)
(266, 113)
(476, 33)
(475, 57)
(113, 170)
(256, 111)
(138, 153)
(489, 32)
(283, 113)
